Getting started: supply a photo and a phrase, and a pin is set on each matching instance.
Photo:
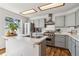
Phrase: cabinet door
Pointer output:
(69, 44)
(42, 23)
(77, 48)
(66, 38)
(77, 17)
(73, 47)
(59, 21)
(36, 22)
(39, 23)
(70, 19)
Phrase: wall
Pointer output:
(5, 13)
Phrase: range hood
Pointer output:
(50, 22)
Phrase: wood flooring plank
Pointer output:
(52, 52)
(48, 50)
(2, 50)
(56, 51)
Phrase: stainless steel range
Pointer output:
(51, 38)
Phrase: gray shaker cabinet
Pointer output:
(39, 23)
(70, 44)
(59, 21)
(67, 42)
(77, 48)
(70, 19)
(60, 41)
(77, 17)
(73, 47)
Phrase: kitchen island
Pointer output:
(25, 46)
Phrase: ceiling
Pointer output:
(19, 7)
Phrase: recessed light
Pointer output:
(28, 11)
(51, 5)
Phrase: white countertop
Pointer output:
(38, 40)
(28, 39)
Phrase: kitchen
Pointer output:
(58, 30)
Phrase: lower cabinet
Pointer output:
(60, 41)
(73, 47)
(60, 44)
(68, 43)
(77, 48)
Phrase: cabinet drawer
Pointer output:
(60, 44)
(60, 38)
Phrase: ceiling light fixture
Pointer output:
(28, 11)
(51, 5)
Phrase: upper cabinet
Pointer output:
(70, 19)
(67, 20)
(36, 22)
(77, 17)
(39, 23)
(59, 21)
(42, 23)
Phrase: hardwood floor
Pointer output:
(2, 51)
(51, 51)
(56, 51)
